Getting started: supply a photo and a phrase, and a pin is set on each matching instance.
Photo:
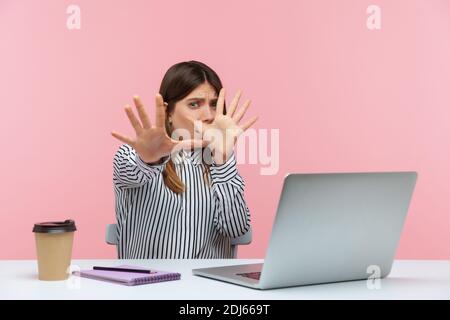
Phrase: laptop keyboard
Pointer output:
(252, 275)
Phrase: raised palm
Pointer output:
(152, 142)
(223, 132)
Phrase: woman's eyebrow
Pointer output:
(201, 99)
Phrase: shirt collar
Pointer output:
(190, 156)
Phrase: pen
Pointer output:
(124, 269)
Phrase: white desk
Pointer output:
(409, 279)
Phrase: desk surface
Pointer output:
(409, 279)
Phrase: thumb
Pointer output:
(192, 144)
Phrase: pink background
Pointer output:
(344, 98)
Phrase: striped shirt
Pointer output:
(154, 222)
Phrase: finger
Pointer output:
(186, 145)
(241, 112)
(249, 123)
(192, 144)
(200, 127)
(234, 103)
(122, 138)
(141, 112)
(160, 111)
(220, 102)
(133, 120)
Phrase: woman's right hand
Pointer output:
(152, 143)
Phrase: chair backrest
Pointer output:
(112, 237)
(245, 239)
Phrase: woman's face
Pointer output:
(199, 105)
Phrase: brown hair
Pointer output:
(180, 80)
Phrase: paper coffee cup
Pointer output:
(54, 242)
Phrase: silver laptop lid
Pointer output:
(333, 227)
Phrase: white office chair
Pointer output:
(113, 239)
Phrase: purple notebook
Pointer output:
(128, 278)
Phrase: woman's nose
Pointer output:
(207, 114)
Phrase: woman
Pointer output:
(170, 201)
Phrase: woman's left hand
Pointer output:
(225, 129)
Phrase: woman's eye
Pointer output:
(193, 104)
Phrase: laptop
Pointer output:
(329, 227)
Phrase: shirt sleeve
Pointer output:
(130, 171)
(232, 217)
